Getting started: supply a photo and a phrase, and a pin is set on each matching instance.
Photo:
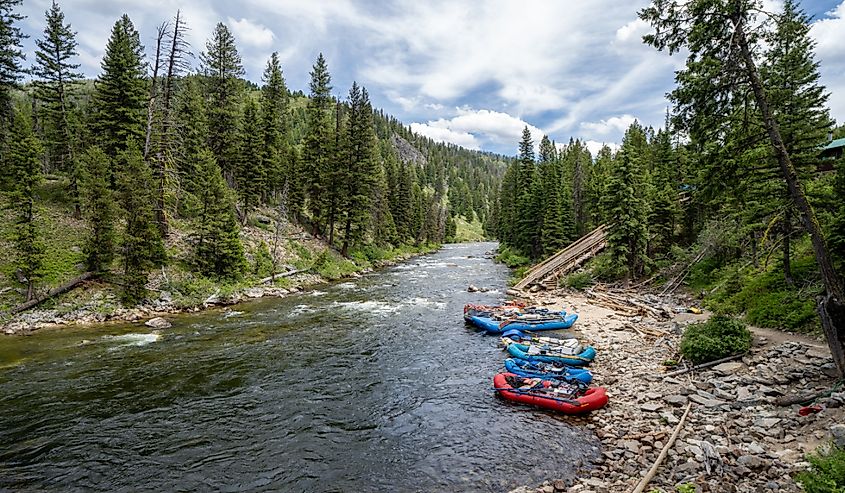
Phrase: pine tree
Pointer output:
(316, 159)
(362, 171)
(219, 252)
(274, 113)
(251, 174)
(405, 204)
(11, 56)
(141, 246)
(119, 94)
(98, 205)
(222, 67)
(193, 133)
(625, 206)
(664, 211)
(56, 75)
(24, 162)
(553, 236)
(527, 233)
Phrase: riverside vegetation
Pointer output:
(167, 177)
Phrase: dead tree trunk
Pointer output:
(53, 292)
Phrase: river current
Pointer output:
(375, 384)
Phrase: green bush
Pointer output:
(332, 266)
(606, 267)
(512, 258)
(827, 472)
(719, 337)
(579, 280)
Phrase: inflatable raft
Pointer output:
(572, 353)
(557, 396)
(528, 321)
(547, 371)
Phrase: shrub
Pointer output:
(579, 280)
(827, 472)
(511, 258)
(719, 337)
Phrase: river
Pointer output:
(370, 385)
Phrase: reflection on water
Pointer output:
(370, 385)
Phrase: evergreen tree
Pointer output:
(251, 174)
(120, 91)
(98, 205)
(553, 236)
(141, 246)
(527, 233)
(362, 171)
(274, 113)
(11, 56)
(193, 133)
(222, 67)
(56, 75)
(317, 156)
(405, 204)
(625, 206)
(219, 252)
(25, 169)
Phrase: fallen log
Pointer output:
(703, 365)
(280, 276)
(663, 453)
(51, 293)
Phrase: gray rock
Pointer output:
(675, 400)
(752, 461)
(158, 323)
(254, 292)
(837, 431)
(704, 401)
(729, 367)
(651, 407)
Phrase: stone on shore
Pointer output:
(158, 323)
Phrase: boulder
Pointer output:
(837, 431)
(729, 367)
(158, 323)
(254, 292)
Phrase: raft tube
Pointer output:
(585, 357)
(560, 321)
(591, 399)
(547, 371)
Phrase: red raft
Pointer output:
(562, 397)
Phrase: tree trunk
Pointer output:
(831, 308)
(344, 250)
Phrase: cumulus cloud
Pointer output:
(444, 134)
(612, 124)
(478, 127)
(829, 34)
(251, 33)
(595, 146)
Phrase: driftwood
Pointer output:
(703, 365)
(280, 276)
(675, 282)
(663, 453)
(789, 400)
(53, 292)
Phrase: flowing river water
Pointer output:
(370, 385)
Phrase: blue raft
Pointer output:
(552, 355)
(492, 326)
(547, 371)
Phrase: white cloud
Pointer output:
(251, 33)
(443, 134)
(830, 51)
(595, 146)
(612, 124)
(633, 31)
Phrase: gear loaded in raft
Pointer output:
(564, 397)
(498, 319)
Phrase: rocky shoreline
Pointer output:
(736, 437)
(106, 308)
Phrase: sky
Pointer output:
(473, 73)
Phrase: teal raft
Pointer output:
(557, 321)
(573, 354)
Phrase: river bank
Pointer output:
(96, 303)
(735, 438)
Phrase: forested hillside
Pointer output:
(704, 198)
(174, 163)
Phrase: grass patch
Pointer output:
(468, 231)
(719, 337)
(826, 474)
(512, 259)
(332, 266)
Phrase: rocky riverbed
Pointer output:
(735, 438)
